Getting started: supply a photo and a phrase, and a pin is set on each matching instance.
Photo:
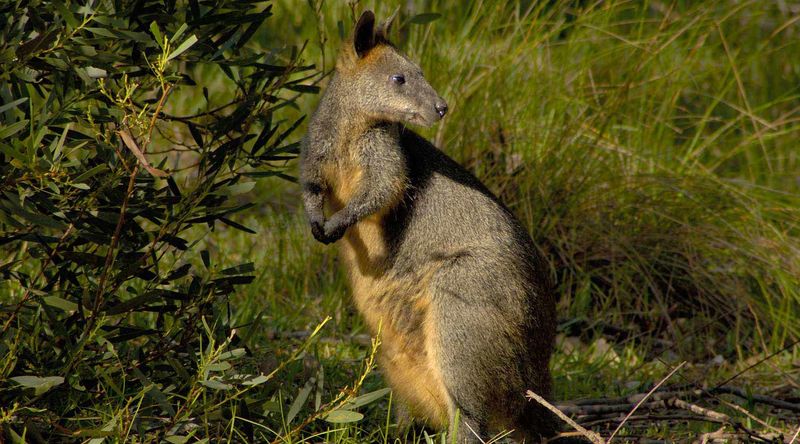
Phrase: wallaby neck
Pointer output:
(340, 122)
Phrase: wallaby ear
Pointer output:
(364, 35)
(386, 27)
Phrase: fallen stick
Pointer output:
(591, 436)
(624, 404)
(650, 417)
(762, 399)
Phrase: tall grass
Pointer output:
(650, 148)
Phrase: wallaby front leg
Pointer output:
(381, 187)
(313, 202)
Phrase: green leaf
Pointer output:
(60, 145)
(368, 398)
(12, 129)
(343, 416)
(216, 385)
(183, 47)
(245, 268)
(66, 14)
(96, 73)
(40, 384)
(236, 225)
(218, 367)
(61, 303)
(233, 354)
(15, 438)
(91, 172)
(260, 379)
(239, 188)
(299, 401)
(157, 34)
(425, 18)
(104, 32)
(178, 33)
(175, 439)
(13, 104)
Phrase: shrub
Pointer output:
(119, 150)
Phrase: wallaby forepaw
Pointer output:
(318, 230)
(332, 232)
(326, 232)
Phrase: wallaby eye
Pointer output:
(399, 79)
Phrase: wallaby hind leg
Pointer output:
(475, 371)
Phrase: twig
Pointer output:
(114, 240)
(660, 383)
(763, 399)
(649, 417)
(696, 409)
(124, 207)
(592, 436)
(744, 411)
(757, 363)
(617, 405)
(795, 436)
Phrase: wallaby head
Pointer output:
(382, 83)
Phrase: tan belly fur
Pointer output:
(408, 358)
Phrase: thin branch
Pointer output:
(638, 404)
(591, 436)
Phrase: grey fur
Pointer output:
(455, 263)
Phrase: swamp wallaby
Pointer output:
(463, 301)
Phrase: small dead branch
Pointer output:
(696, 409)
(794, 438)
(761, 399)
(639, 404)
(624, 404)
(651, 417)
(681, 405)
(591, 436)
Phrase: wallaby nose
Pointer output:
(441, 108)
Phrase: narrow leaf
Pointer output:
(13, 104)
(60, 303)
(183, 47)
(157, 34)
(216, 385)
(12, 129)
(299, 401)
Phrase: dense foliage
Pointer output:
(106, 185)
